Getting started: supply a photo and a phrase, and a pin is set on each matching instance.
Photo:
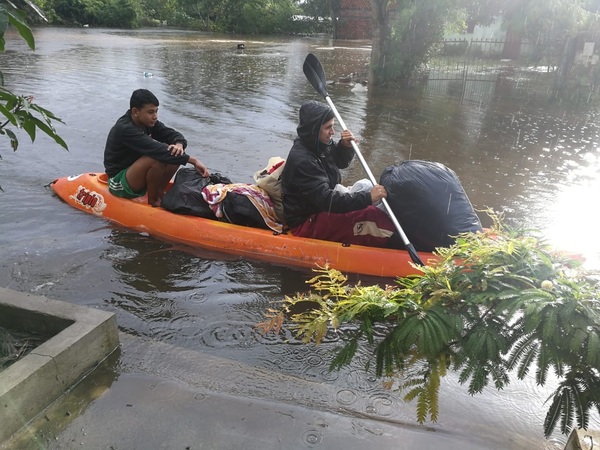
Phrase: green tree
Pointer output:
(415, 28)
(403, 35)
(496, 305)
(20, 111)
(104, 13)
(243, 16)
(123, 14)
(320, 9)
(161, 10)
(480, 12)
(264, 16)
(543, 21)
(70, 11)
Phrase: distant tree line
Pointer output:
(228, 16)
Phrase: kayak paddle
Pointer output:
(316, 76)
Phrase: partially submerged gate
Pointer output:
(471, 69)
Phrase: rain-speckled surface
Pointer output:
(188, 316)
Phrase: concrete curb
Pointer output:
(82, 338)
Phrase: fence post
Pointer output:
(465, 71)
(566, 63)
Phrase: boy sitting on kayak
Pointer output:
(142, 154)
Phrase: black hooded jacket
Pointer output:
(312, 170)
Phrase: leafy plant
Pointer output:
(495, 305)
(20, 111)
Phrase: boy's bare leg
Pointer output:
(152, 175)
(168, 172)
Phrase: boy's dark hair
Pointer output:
(141, 97)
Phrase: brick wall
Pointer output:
(355, 21)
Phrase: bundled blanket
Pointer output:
(216, 196)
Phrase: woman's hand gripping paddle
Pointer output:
(316, 75)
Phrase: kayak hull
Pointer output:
(89, 192)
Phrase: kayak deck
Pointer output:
(89, 192)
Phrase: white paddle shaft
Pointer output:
(369, 173)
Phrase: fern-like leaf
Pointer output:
(344, 355)
(499, 375)
(528, 359)
(521, 347)
(423, 402)
(554, 413)
(543, 365)
(479, 380)
(433, 390)
(567, 410)
(592, 349)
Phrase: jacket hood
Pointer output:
(312, 116)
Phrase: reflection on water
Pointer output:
(517, 153)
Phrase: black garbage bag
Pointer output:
(430, 203)
(185, 196)
(239, 209)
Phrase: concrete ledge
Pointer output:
(82, 338)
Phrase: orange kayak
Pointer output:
(89, 192)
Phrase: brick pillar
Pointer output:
(355, 20)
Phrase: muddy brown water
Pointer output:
(535, 160)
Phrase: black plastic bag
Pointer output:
(239, 209)
(185, 196)
(430, 203)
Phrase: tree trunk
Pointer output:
(512, 44)
(379, 44)
(334, 12)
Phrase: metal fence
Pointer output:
(471, 69)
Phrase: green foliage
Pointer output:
(320, 8)
(239, 16)
(414, 29)
(496, 305)
(105, 13)
(318, 16)
(20, 111)
(162, 10)
(123, 14)
(480, 12)
(264, 17)
(15, 17)
(545, 20)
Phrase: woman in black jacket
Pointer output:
(313, 206)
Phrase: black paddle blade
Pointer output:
(413, 254)
(316, 75)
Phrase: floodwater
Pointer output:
(535, 160)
